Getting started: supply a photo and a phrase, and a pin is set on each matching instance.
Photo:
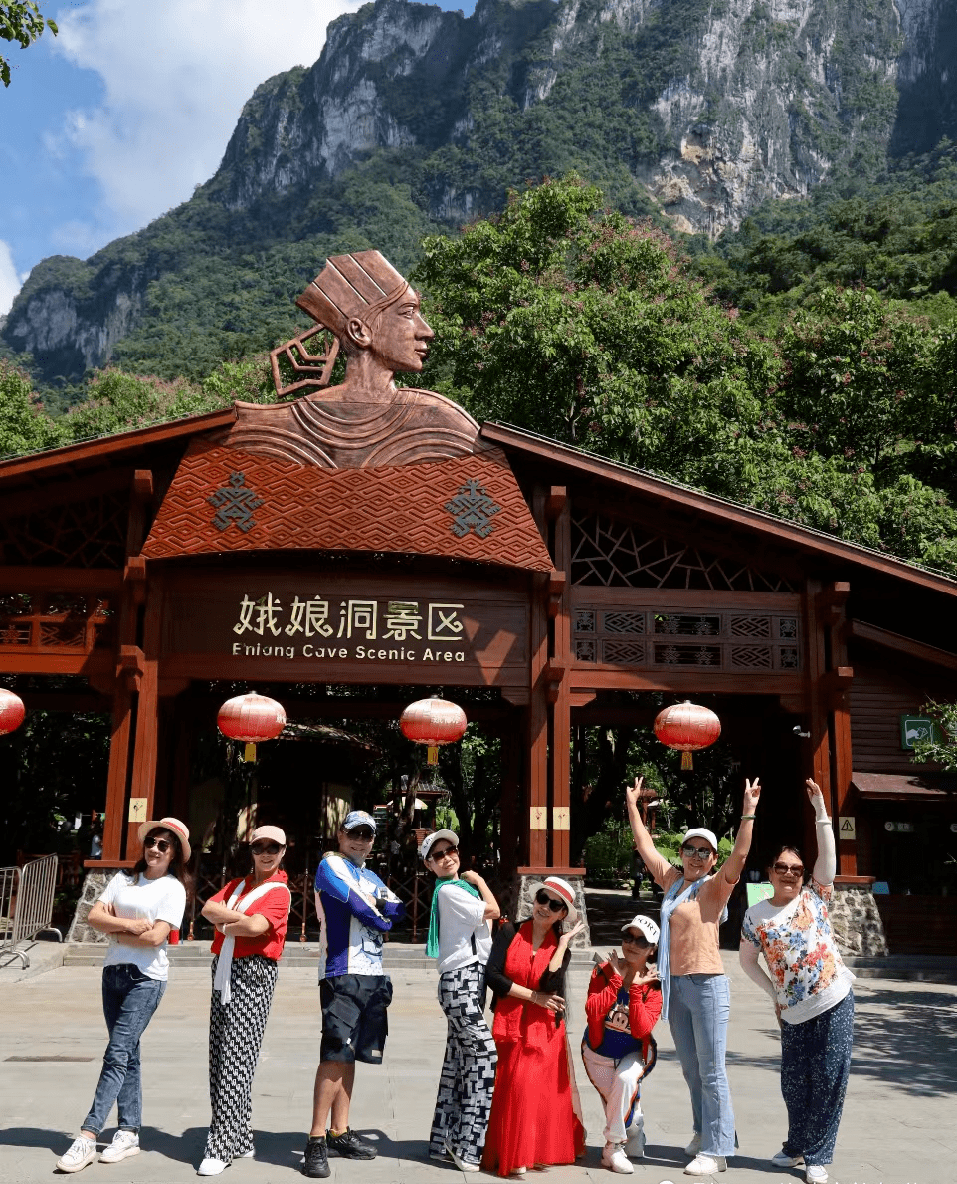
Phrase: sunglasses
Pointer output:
(641, 942)
(161, 845)
(266, 848)
(362, 833)
(788, 869)
(695, 852)
(437, 855)
(555, 905)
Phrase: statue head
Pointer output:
(372, 310)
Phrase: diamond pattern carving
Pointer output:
(623, 653)
(396, 509)
(751, 626)
(624, 622)
(754, 656)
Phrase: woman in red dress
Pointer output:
(534, 1117)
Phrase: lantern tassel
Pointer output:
(249, 755)
(686, 762)
(433, 754)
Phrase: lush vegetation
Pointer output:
(21, 21)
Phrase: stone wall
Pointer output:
(93, 886)
(856, 922)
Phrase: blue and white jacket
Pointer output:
(351, 938)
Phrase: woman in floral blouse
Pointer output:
(811, 990)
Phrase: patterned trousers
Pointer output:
(468, 1073)
(235, 1038)
(815, 1065)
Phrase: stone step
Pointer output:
(920, 968)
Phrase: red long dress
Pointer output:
(533, 1117)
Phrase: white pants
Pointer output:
(619, 1084)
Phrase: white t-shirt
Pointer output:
(163, 899)
(462, 917)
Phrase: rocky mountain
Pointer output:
(416, 119)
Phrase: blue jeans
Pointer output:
(698, 1014)
(129, 1000)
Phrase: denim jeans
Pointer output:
(698, 1014)
(129, 1000)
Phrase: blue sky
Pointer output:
(118, 118)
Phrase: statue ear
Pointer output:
(358, 333)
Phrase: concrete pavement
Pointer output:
(899, 1122)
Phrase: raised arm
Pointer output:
(825, 866)
(733, 866)
(492, 911)
(643, 841)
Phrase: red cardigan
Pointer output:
(644, 1005)
(274, 906)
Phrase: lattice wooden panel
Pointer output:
(614, 554)
(720, 640)
(89, 533)
(62, 621)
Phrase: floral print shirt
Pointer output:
(806, 968)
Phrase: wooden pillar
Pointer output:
(146, 741)
(819, 745)
(835, 601)
(118, 774)
(559, 608)
(508, 808)
(536, 738)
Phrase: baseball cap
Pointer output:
(430, 840)
(700, 832)
(356, 818)
(647, 927)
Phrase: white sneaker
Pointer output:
(212, 1167)
(462, 1164)
(250, 1154)
(695, 1145)
(780, 1160)
(80, 1153)
(816, 1174)
(706, 1165)
(124, 1143)
(613, 1157)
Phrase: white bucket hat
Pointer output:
(560, 889)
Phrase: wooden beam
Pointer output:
(33, 501)
(919, 650)
(59, 579)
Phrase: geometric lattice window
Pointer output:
(62, 621)
(687, 655)
(88, 533)
(703, 626)
(613, 554)
(623, 653)
(623, 622)
(585, 651)
(585, 622)
(755, 657)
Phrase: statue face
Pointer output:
(400, 338)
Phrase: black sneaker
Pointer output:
(350, 1145)
(316, 1161)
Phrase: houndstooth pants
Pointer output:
(468, 1073)
(235, 1038)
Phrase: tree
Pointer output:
(21, 21)
(24, 426)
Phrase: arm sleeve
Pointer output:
(748, 957)
(718, 890)
(331, 877)
(495, 967)
(663, 872)
(825, 866)
(108, 895)
(274, 906)
(463, 906)
(643, 1013)
(173, 905)
(391, 907)
(553, 981)
(224, 893)
(602, 993)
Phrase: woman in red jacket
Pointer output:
(623, 1005)
(250, 916)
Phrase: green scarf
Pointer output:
(432, 945)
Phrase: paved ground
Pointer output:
(899, 1123)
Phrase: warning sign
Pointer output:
(847, 828)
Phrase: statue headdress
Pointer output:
(359, 285)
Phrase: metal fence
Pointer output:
(26, 904)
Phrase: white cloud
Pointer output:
(176, 75)
(10, 281)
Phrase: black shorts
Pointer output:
(354, 1019)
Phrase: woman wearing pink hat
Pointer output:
(137, 910)
(534, 1118)
(250, 915)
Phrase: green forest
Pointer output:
(805, 364)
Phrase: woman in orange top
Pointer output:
(695, 991)
(250, 916)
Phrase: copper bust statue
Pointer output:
(367, 421)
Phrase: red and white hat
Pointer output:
(560, 889)
(174, 826)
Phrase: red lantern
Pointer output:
(251, 718)
(687, 727)
(433, 722)
(12, 711)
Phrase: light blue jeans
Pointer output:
(129, 999)
(698, 1014)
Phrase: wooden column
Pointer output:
(819, 744)
(835, 601)
(559, 608)
(147, 725)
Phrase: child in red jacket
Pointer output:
(623, 1005)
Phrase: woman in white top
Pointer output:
(810, 988)
(459, 937)
(137, 909)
